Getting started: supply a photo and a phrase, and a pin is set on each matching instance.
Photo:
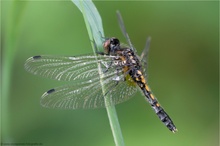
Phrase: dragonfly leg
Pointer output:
(107, 67)
(101, 35)
(96, 49)
(117, 79)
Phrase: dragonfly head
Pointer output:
(111, 45)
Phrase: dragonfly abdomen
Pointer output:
(163, 116)
(138, 77)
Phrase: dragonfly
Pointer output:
(118, 69)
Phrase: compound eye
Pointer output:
(115, 41)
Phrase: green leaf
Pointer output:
(95, 30)
(93, 18)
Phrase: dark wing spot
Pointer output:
(37, 57)
(50, 91)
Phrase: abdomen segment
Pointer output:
(163, 116)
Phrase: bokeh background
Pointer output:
(183, 72)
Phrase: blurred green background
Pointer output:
(183, 72)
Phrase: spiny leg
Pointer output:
(116, 79)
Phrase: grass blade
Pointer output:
(95, 30)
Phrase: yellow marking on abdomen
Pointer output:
(151, 95)
(143, 79)
(157, 104)
(147, 88)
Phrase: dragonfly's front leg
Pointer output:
(96, 49)
(106, 65)
(114, 62)
(117, 79)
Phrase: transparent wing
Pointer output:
(89, 94)
(66, 68)
(122, 26)
(144, 56)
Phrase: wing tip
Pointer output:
(36, 57)
(44, 100)
(29, 60)
(47, 93)
(50, 91)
